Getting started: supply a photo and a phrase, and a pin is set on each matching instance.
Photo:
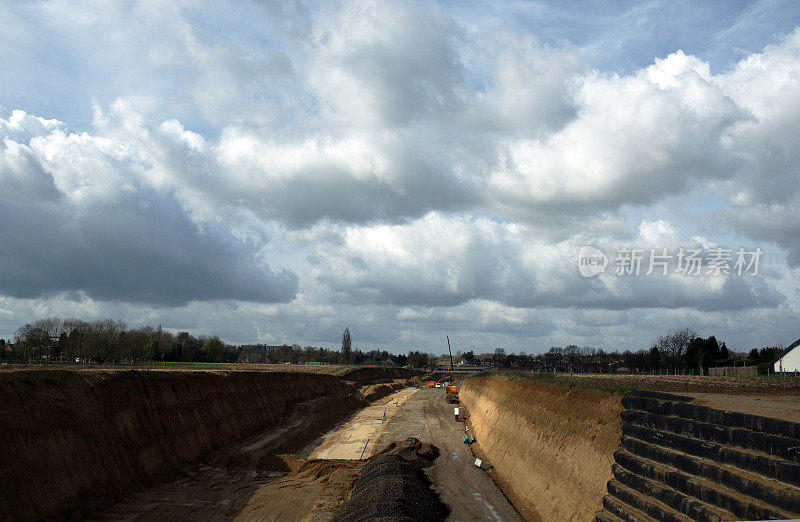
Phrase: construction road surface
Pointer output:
(466, 489)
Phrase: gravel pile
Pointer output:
(393, 487)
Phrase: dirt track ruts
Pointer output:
(466, 489)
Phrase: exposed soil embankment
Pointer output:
(373, 392)
(70, 439)
(375, 374)
(551, 443)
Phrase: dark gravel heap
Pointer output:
(393, 487)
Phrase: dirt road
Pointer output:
(234, 483)
(466, 489)
(357, 437)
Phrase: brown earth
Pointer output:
(690, 383)
(214, 442)
(468, 492)
(776, 406)
(356, 437)
(255, 478)
(373, 392)
(74, 440)
(551, 443)
(312, 490)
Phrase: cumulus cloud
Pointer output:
(76, 216)
(450, 260)
(636, 139)
(406, 165)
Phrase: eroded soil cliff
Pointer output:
(551, 443)
(70, 440)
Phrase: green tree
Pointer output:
(213, 349)
(347, 345)
(701, 353)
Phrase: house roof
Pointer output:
(789, 349)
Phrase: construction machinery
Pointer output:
(452, 394)
(450, 352)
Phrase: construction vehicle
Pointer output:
(452, 394)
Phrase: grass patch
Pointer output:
(562, 378)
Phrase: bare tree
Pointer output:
(40, 339)
(673, 345)
(571, 357)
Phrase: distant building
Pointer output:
(789, 360)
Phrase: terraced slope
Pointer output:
(680, 461)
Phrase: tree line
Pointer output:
(677, 351)
(112, 341)
(108, 341)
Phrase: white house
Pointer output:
(789, 360)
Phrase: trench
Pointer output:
(565, 450)
(125, 445)
(75, 442)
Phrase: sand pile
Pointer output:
(392, 486)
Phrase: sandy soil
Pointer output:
(360, 432)
(691, 383)
(551, 444)
(250, 480)
(780, 407)
(769, 397)
(467, 490)
(312, 492)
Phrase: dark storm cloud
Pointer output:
(128, 243)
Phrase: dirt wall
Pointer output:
(75, 438)
(551, 444)
(372, 374)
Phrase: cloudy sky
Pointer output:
(274, 171)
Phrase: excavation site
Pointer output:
(370, 443)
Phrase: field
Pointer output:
(691, 383)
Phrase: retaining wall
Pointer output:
(681, 461)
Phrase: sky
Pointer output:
(275, 171)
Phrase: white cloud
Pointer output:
(77, 214)
(450, 260)
(407, 165)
